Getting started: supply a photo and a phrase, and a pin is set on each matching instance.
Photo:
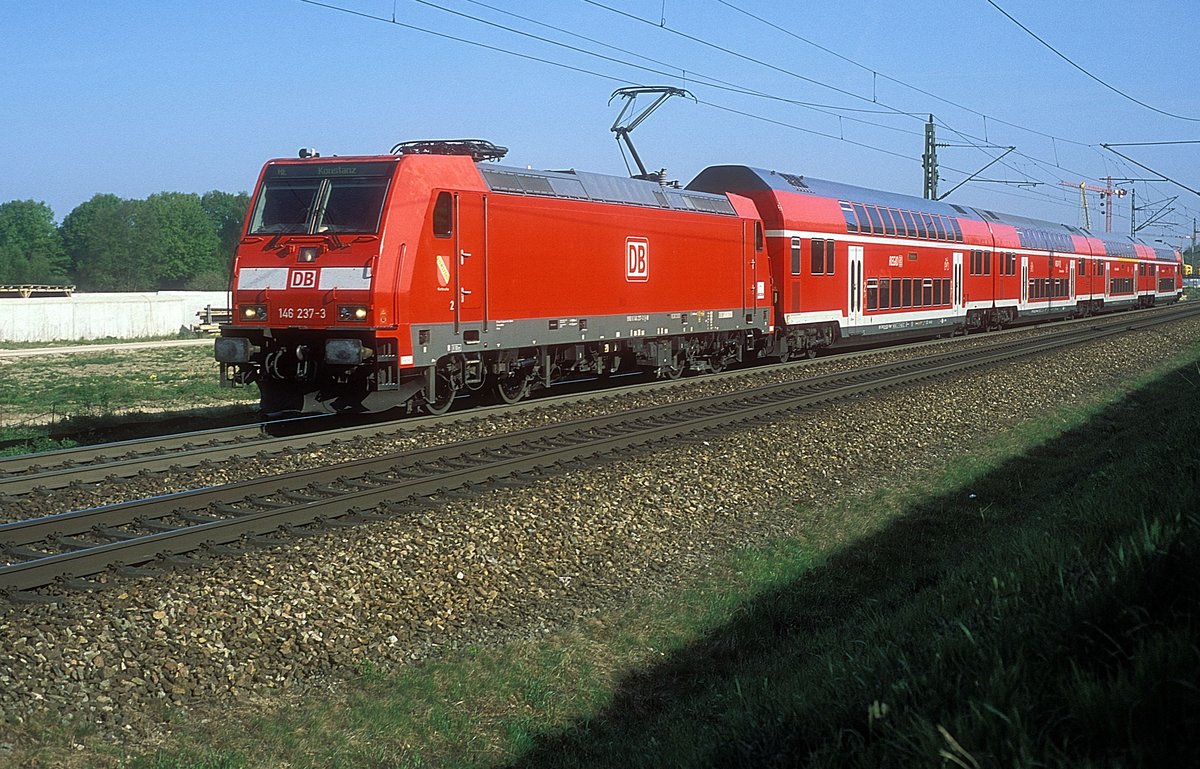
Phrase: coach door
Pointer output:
(956, 282)
(1024, 279)
(854, 298)
(470, 266)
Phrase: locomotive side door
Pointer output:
(754, 289)
(470, 266)
(854, 294)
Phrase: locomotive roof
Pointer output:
(582, 185)
(745, 178)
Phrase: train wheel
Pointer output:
(446, 391)
(443, 402)
(676, 367)
(512, 389)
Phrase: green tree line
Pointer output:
(169, 240)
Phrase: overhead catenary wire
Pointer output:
(979, 142)
(892, 79)
(782, 70)
(875, 74)
(1068, 60)
(574, 68)
(690, 75)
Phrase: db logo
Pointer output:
(303, 279)
(637, 260)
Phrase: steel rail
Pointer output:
(79, 522)
(126, 459)
(417, 477)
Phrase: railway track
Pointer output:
(111, 462)
(88, 548)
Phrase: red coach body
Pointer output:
(849, 262)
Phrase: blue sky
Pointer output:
(134, 97)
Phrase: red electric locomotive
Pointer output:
(363, 283)
(372, 282)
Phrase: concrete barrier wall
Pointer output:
(94, 316)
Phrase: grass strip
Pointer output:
(1036, 604)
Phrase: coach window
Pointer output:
(987, 262)
(443, 215)
(848, 215)
(795, 256)
(927, 291)
(929, 226)
(872, 294)
(937, 226)
(829, 257)
(817, 255)
(910, 227)
(907, 292)
(885, 295)
(889, 224)
(937, 293)
(876, 220)
(896, 292)
(1079, 267)
(864, 224)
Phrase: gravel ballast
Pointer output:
(513, 562)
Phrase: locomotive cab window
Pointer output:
(758, 236)
(318, 198)
(443, 215)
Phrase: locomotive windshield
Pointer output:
(321, 197)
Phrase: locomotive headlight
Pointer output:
(352, 312)
(308, 254)
(253, 313)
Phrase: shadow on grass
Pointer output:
(1046, 615)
